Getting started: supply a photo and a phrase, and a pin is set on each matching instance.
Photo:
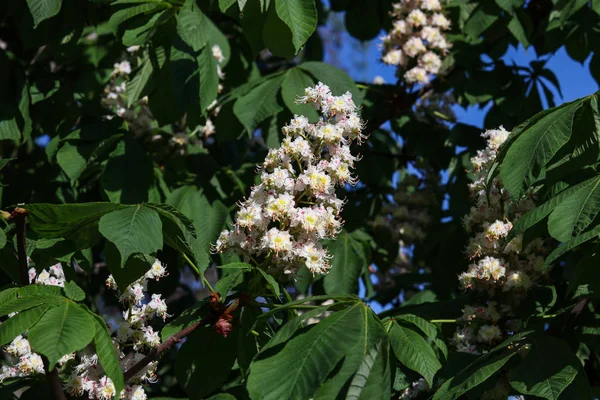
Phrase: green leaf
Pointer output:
(142, 32)
(208, 217)
(576, 212)
(5, 161)
(547, 370)
(139, 81)
(73, 291)
(135, 229)
(509, 5)
(209, 79)
(65, 220)
(107, 354)
(585, 280)
(313, 354)
(518, 31)
(277, 36)
(571, 244)
(273, 285)
(479, 22)
(373, 379)
(427, 328)
(17, 325)
(76, 157)
(237, 265)
(225, 4)
(2, 239)
(413, 351)
(190, 25)
(479, 370)
(178, 230)
(16, 300)
(259, 104)
(135, 267)
(127, 13)
(346, 265)
(294, 83)
(534, 216)
(338, 81)
(535, 146)
(201, 376)
(129, 174)
(300, 16)
(43, 9)
(62, 330)
(230, 281)
(190, 316)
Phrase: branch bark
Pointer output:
(19, 215)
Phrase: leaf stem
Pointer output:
(201, 275)
(442, 321)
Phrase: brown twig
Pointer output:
(19, 215)
(164, 346)
(219, 315)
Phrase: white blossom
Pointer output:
(295, 206)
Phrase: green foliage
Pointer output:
(62, 330)
(120, 185)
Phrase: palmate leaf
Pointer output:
(190, 25)
(62, 330)
(107, 355)
(571, 244)
(576, 212)
(373, 377)
(21, 322)
(413, 351)
(547, 370)
(535, 146)
(135, 229)
(259, 104)
(534, 216)
(64, 220)
(140, 78)
(429, 329)
(481, 369)
(311, 355)
(43, 9)
(300, 16)
(19, 299)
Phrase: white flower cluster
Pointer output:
(416, 42)
(497, 266)
(54, 277)
(88, 378)
(295, 205)
(28, 362)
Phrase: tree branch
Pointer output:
(164, 346)
(19, 215)
(219, 316)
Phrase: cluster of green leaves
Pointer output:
(130, 198)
